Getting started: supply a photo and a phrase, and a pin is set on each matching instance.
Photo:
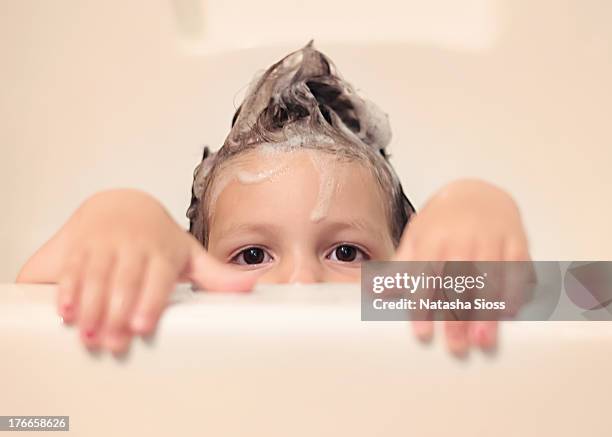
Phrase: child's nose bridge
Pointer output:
(305, 269)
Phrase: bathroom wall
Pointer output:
(106, 94)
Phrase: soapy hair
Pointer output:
(302, 102)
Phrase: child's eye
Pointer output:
(348, 253)
(251, 255)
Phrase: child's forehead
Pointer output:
(316, 183)
(302, 169)
(270, 156)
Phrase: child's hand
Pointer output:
(116, 261)
(467, 220)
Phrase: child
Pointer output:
(301, 191)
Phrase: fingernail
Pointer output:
(460, 352)
(474, 334)
(66, 313)
(482, 335)
(423, 332)
(140, 323)
(456, 334)
(112, 341)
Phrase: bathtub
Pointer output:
(297, 361)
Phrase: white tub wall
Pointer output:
(292, 361)
(103, 94)
(216, 26)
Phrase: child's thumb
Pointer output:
(209, 274)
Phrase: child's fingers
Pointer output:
(124, 292)
(460, 335)
(456, 337)
(483, 334)
(428, 250)
(423, 329)
(519, 277)
(69, 285)
(117, 343)
(93, 295)
(158, 282)
(209, 274)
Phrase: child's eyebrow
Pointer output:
(270, 230)
(266, 229)
(361, 224)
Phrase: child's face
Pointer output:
(301, 217)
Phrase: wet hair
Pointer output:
(302, 102)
